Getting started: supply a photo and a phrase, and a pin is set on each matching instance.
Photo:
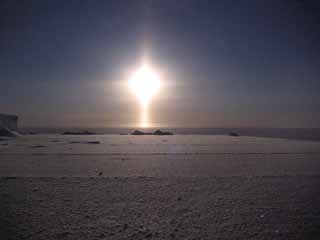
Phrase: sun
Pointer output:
(145, 84)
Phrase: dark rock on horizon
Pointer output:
(78, 133)
(84, 142)
(159, 132)
(74, 142)
(137, 132)
(37, 146)
(93, 142)
(233, 134)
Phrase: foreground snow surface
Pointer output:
(159, 187)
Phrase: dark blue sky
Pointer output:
(225, 63)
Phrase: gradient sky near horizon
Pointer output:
(223, 63)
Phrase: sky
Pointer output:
(222, 63)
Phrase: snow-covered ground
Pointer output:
(176, 144)
(159, 187)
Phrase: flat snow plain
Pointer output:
(159, 187)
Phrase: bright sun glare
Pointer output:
(144, 83)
